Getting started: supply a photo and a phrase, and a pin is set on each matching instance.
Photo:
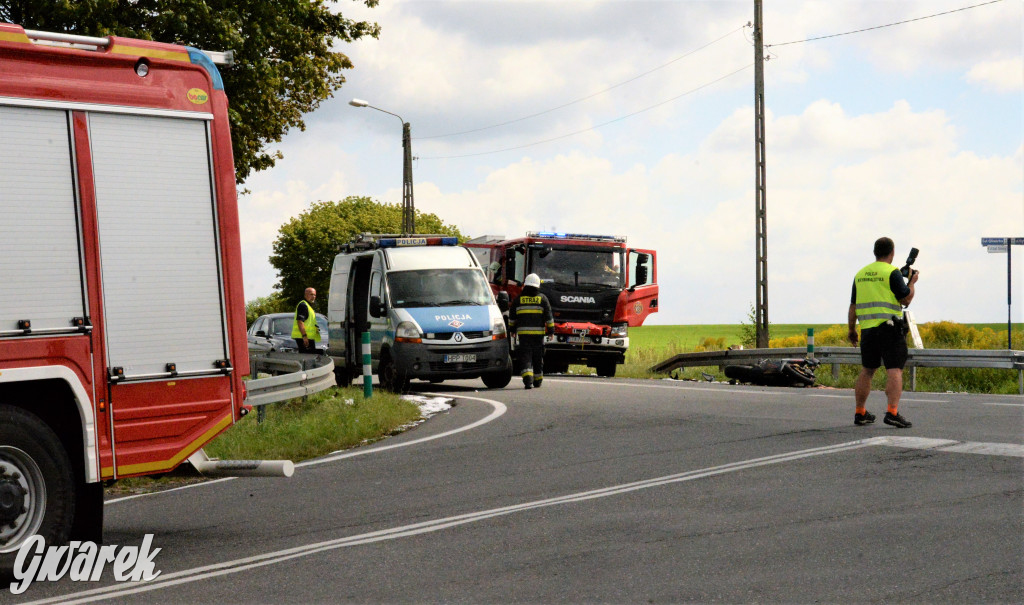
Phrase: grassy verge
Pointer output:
(297, 430)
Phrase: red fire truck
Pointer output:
(122, 324)
(596, 285)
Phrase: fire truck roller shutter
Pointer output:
(161, 268)
(40, 269)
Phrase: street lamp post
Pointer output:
(408, 208)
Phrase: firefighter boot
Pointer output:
(528, 380)
(537, 379)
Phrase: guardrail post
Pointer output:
(810, 343)
(913, 378)
(367, 367)
(835, 371)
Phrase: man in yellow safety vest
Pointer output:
(879, 295)
(304, 329)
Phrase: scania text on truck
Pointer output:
(122, 324)
(428, 309)
(597, 287)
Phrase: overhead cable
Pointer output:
(618, 119)
(580, 100)
(857, 31)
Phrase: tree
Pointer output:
(284, 63)
(305, 249)
(264, 305)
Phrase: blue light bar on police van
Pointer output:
(400, 242)
(560, 235)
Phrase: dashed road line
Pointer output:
(224, 568)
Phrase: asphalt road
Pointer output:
(605, 490)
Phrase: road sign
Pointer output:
(1002, 241)
(997, 249)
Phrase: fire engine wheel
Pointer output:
(606, 368)
(36, 486)
(391, 378)
(555, 367)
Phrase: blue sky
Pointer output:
(913, 131)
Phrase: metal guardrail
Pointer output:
(297, 375)
(917, 358)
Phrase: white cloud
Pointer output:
(1001, 75)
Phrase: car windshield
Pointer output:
(438, 288)
(281, 326)
(577, 267)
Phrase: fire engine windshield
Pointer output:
(593, 267)
(438, 288)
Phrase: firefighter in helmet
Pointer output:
(530, 318)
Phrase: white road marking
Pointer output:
(622, 383)
(499, 409)
(247, 563)
(196, 574)
(1012, 405)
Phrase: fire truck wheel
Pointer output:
(36, 486)
(391, 378)
(606, 368)
(497, 380)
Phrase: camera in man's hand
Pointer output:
(906, 271)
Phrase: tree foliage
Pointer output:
(305, 248)
(284, 67)
(264, 305)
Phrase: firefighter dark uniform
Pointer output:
(530, 318)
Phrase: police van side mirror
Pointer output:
(377, 308)
(503, 301)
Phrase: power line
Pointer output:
(857, 31)
(618, 119)
(580, 100)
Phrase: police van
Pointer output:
(426, 304)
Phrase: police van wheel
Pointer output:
(497, 380)
(391, 378)
(36, 486)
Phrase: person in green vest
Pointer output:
(879, 295)
(304, 329)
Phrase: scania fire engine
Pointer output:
(122, 324)
(597, 287)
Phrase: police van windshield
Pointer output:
(438, 288)
(577, 267)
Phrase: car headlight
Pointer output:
(498, 329)
(408, 332)
(619, 330)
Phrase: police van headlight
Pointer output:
(408, 332)
(619, 330)
(498, 329)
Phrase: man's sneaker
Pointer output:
(865, 418)
(897, 420)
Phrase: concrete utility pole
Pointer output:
(408, 210)
(761, 210)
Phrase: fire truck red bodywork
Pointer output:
(142, 421)
(592, 306)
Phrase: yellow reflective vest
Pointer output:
(875, 302)
(312, 330)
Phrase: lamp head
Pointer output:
(358, 103)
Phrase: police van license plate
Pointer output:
(460, 358)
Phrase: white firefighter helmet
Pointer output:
(532, 280)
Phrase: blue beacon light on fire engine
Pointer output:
(561, 235)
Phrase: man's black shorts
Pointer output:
(883, 343)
